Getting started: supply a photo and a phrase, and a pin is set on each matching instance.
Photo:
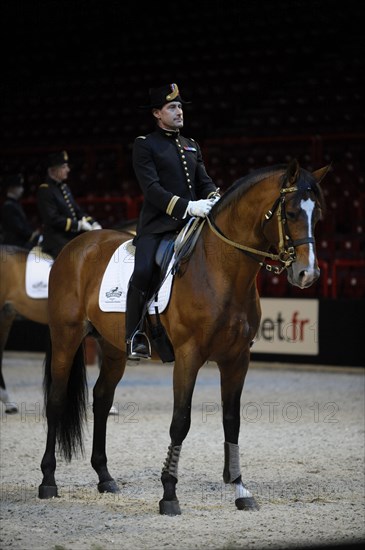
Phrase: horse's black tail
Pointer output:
(71, 415)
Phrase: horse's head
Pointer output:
(299, 208)
(287, 224)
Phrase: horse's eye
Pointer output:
(291, 215)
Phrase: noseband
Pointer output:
(286, 247)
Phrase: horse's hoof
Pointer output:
(248, 503)
(47, 491)
(169, 508)
(11, 408)
(108, 487)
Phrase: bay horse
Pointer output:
(213, 314)
(15, 301)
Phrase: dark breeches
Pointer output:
(144, 266)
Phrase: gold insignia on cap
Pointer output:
(65, 156)
(174, 92)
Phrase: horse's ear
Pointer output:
(321, 173)
(292, 172)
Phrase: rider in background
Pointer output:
(175, 184)
(17, 230)
(62, 217)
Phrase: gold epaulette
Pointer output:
(43, 185)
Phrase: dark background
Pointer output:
(251, 67)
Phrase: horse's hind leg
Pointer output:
(232, 379)
(7, 316)
(65, 397)
(111, 371)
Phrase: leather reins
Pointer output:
(286, 246)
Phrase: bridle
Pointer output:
(286, 246)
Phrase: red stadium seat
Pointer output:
(348, 279)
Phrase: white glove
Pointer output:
(200, 208)
(96, 225)
(84, 225)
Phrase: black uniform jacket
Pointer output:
(60, 215)
(170, 172)
(16, 228)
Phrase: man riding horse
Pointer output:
(62, 217)
(175, 184)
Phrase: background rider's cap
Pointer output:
(165, 94)
(57, 159)
(13, 180)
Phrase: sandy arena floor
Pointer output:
(301, 447)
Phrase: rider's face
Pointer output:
(60, 173)
(17, 191)
(170, 116)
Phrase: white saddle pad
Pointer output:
(114, 285)
(37, 273)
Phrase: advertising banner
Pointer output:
(288, 326)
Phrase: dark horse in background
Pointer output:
(213, 314)
(15, 301)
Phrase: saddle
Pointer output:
(181, 245)
(165, 252)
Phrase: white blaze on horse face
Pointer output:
(308, 207)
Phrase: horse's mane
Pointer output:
(241, 185)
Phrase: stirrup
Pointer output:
(138, 350)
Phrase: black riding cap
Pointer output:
(13, 180)
(165, 94)
(57, 159)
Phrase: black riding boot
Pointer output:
(137, 342)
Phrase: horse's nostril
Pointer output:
(307, 277)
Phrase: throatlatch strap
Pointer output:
(232, 469)
(172, 460)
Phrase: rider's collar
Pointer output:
(52, 180)
(169, 133)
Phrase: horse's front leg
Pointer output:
(111, 371)
(185, 373)
(232, 379)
